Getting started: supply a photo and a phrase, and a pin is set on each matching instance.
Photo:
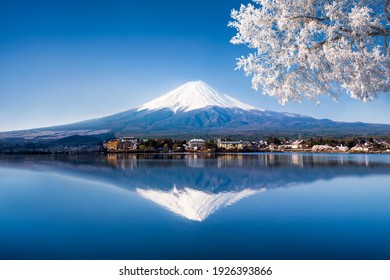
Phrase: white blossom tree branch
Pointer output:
(308, 48)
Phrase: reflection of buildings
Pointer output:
(297, 159)
(194, 204)
(230, 160)
(195, 162)
(204, 182)
(123, 161)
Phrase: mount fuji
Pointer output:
(194, 96)
(197, 110)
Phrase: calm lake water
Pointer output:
(252, 206)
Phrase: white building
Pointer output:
(230, 145)
(322, 148)
(296, 144)
(196, 144)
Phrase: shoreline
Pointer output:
(300, 151)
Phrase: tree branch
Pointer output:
(309, 18)
(386, 10)
(379, 32)
(320, 44)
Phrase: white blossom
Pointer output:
(309, 48)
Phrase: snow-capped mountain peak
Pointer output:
(192, 96)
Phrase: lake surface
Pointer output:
(235, 206)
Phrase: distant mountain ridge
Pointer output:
(197, 110)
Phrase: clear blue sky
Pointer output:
(66, 61)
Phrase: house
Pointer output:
(362, 148)
(127, 144)
(262, 144)
(247, 145)
(296, 144)
(322, 148)
(272, 147)
(111, 145)
(196, 144)
(230, 145)
(342, 148)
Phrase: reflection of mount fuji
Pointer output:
(195, 186)
(194, 204)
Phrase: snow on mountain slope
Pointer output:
(194, 204)
(192, 96)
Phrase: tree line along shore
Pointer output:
(354, 145)
(89, 144)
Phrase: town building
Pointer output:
(196, 144)
(111, 145)
(342, 148)
(230, 145)
(366, 147)
(296, 144)
(272, 147)
(322, 148)
(127, 144)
